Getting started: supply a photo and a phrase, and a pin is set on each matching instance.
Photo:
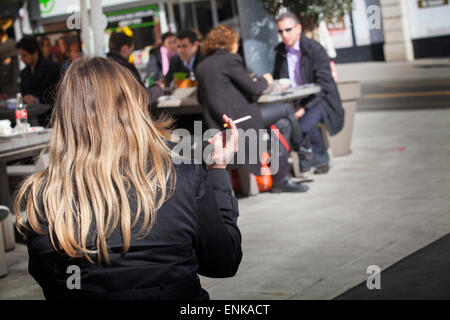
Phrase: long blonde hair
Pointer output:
(103, 145)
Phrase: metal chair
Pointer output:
(4, 214)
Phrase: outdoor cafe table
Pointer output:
(18, 147)
(184, 101)
(33, 112)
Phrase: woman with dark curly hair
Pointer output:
(224, 86)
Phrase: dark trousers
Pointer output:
(282, 116)
(308, 125)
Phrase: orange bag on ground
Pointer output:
(265, 180)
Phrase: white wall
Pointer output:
(363, 36)
(428, 22)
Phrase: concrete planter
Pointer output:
(9, 239)
(340, 144)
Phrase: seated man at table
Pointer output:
(39, 78)
(188, 56)
(121, 47)
(303, 61)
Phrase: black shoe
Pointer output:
(321, 163)
(287, 185)
(321, 169)
(321, 159)
(306, 160)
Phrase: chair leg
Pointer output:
(3, 265)
(326, 140)
(324, 134)
(4, 212)
(295, 162)
(9, 238)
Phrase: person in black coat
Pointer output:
(113, 216)
(188, 56)
(224, 86)
(305, 61)
(121, 47)
(39, 78)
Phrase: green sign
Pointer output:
(46, 6)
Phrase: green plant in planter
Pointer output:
(311, 11)
(180, 76)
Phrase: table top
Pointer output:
(185, 100)
(20, 142)
(180, 97)
(290, 94)
(33, 110)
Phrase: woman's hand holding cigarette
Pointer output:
(225, 145)
(225, 125)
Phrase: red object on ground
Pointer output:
(265, 180)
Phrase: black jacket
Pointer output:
(42, 82)
(225, 87)
(154, 92)
(315, 68)
(154, 65)
(195, 232)
(124, 63)
(177, 65)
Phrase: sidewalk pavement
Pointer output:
(421, 69)
(386, 200)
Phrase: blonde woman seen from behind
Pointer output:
(113, 206)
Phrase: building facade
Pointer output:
(376, 30)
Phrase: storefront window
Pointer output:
(198, 15)
(194, 15)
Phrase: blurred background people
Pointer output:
(225, 87)
(188, 56)
(9, 65)
(61, 50)
(73, 51)
(46, 48)
(121, 47)
(39, 78)
(159, 62)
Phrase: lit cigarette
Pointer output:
(225, 125)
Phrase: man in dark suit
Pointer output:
(39, 78)
(121, 47)
(225, 87)
(303, 60)
(188, 55)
